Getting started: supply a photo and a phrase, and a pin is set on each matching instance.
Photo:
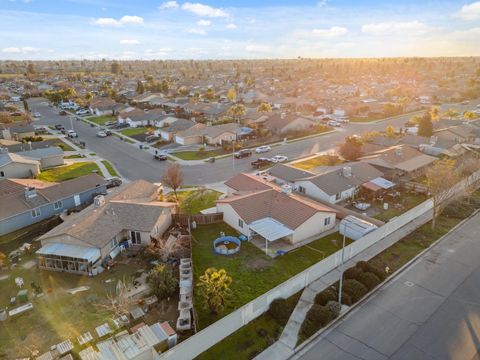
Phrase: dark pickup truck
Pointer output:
(242, 153)
(260, 163)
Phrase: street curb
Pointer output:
(385, 283)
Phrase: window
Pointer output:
(326, 222)
(35, 213)
(135, 237)
(2, 173)
(57, 204)
(240, 223)
(114, 243)
(338, 196)
(302, 190)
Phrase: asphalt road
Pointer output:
(134, 163)
(431, 311)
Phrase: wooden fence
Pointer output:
(200, 219)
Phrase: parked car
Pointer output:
(72, 134)
(122, 126)
(59, 127)
(113, 182)
(263, 149)
(62, 112)
(242, 153)
(37, 115)
(260, 163)
(333, 123)
(465, 102)
(102, 134)
(160, 156)
(41, 130)
(278, 159)
(82, 112)
(110, 123)
(108, 132)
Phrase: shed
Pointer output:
(355, 228)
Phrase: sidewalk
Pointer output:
(284, 347)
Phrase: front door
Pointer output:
(135, 237)
(76, 198)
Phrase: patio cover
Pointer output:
(270, 229)
(74, 251)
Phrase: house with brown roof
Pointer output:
(260, 209)
(203, 134)
(130, 216)
(283, 123)
(17, 166)
(105, 106)
(30, 201)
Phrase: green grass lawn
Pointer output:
(101, 120)
(320, 160)
(62, 173)
(133, 131)
(252, 271)
(73, 156)
(110, 168)
(199, 200)
(64, 146)
(251, 339)
(199, 155)
(408, 201)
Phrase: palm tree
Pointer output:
(215, 289)
(237, 111)
(469, 115)
(434, 113)
(451, 113)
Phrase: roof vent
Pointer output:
(398, 151)
(30, 192)
(347, 171)
(99, 201)
(287, 189)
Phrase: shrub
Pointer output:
(161, 282)
(367, 267)
(346, 299)
(334, 308)
(279, 310)
(352, 273)
(322, 298)
(317, 317)
(355, 289)
(369, 279)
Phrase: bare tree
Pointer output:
(118, 303)
(441, 179)
(173, 178)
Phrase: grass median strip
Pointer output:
(110, 168)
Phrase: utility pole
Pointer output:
(341, 267)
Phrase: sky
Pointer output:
(236, 29)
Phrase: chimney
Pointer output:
(347, 171)
(30, 192)
(287, 189)
(98, 201)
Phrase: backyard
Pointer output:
(68, 172)
(253, 272)
(199, 200)
(405, 202)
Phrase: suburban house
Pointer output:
(30, 201)
(48, 157)
(17, 166)
(105, 106)
(273, 213)
(16, 131)
(212, 135)
(169, 130)
(138, 117)
(130, 216)
(399, 160)
(283, 123)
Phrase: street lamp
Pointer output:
(341, 267)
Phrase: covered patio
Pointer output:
(68, 258)
(271, 232)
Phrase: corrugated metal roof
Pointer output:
(270, 229)
(80, 252)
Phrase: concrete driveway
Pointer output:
(431, 311)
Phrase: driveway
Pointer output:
(134, 163)
(431, 311)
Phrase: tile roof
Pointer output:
(246, 182)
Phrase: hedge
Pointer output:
(317, 317)
(280, 310)
(322, 298)
(355, 289)
(369, 279)
(367, 267)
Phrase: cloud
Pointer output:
(162, 52)
(197, 31)
(169, 5)
(231, 26)
(127, 19)
(322, 3)
(17, 50)
(334, 31)
(470, 11)
(204, 10)
(204, 22)
(129, 42)
(396, 28)
(256, 48)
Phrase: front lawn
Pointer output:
(67, 172)
(320, 160)
(133, 131)
(199, 155)
(64, 146)
(101, 120)
(199, 200)
(110, 168)
(253, 272)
